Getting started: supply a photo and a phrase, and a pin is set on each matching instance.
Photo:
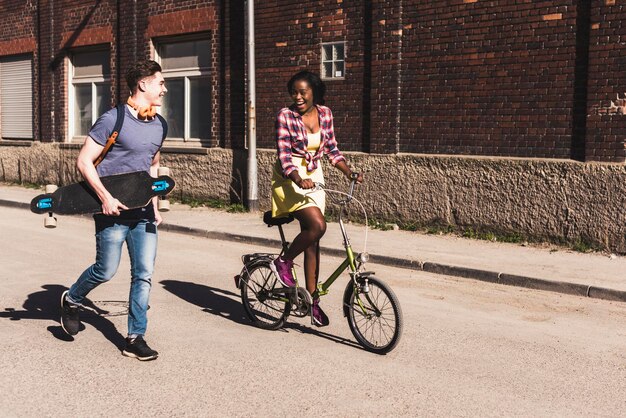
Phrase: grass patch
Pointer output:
(24, 184)
(414, 227)
(435, 229)
(488, 235)
(380, 225)
(483, 234)
(583, 246)
(236, 208)
(30, 185)
(211, 203)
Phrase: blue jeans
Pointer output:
(141, 239)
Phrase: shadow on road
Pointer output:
(227, 304)
(212, 300)
(322, 334)
(44, 305)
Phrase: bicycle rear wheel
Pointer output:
(266, 309)
(374, 315)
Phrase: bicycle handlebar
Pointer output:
(349, 196)
(353, 179)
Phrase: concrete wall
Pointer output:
(544, 199)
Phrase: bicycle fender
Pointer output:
(254, 261)
(346, 297)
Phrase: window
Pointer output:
(187, 103)
(333, 57)
(90, 89)
(16, 98)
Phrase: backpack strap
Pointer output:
(119, 121)
(164, 124)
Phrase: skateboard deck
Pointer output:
(132, 189)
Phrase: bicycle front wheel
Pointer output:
(265, 308)
(374, 315)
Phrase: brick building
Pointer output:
(492, 83)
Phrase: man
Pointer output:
(137, 148)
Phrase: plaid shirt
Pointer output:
(292, 140)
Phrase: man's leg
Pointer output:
(109, 240)
(142, 248)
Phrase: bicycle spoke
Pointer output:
(374, 317)
(263, 307)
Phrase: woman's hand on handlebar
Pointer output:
(356, 176)
(306, 184)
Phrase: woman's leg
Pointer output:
(312, 228)
(312, 266)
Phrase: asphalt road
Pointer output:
(469, 348)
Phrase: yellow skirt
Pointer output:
(287, 197)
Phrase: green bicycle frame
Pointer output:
(348, 262)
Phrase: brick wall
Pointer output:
(469, 77)
(288, 39)
(607, 79)
(17, 22)
(488, 78)
(50, 30)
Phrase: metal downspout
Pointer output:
(252, 198)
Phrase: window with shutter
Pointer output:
(16, 97)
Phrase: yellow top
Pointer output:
(287, 197)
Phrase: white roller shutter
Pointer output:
(16, 98)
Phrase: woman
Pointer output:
(304, 131)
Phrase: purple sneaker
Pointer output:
(319, 317)
(282, 270)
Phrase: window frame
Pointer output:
(186, 73)
(333, 61)
(72, 80)
(28, 59)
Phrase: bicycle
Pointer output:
(370, 306)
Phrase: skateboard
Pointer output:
(132, 189)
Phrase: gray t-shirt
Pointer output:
(135, 147)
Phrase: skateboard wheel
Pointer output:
(50, 222)
(164, 205)
(51, 188)
(163, 171)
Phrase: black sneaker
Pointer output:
(137, 348)
(70, 321)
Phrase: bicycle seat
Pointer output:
(269, 221)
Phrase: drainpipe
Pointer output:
(252, 198)
(399, 78)
(134, 30)
(40, 72)
(52, 74)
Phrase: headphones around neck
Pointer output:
(143, 113)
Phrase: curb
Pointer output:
(436, 268)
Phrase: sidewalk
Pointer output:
(554, 269)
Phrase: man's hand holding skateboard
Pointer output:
(100, 194)
(90, 151)
(112, 206)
